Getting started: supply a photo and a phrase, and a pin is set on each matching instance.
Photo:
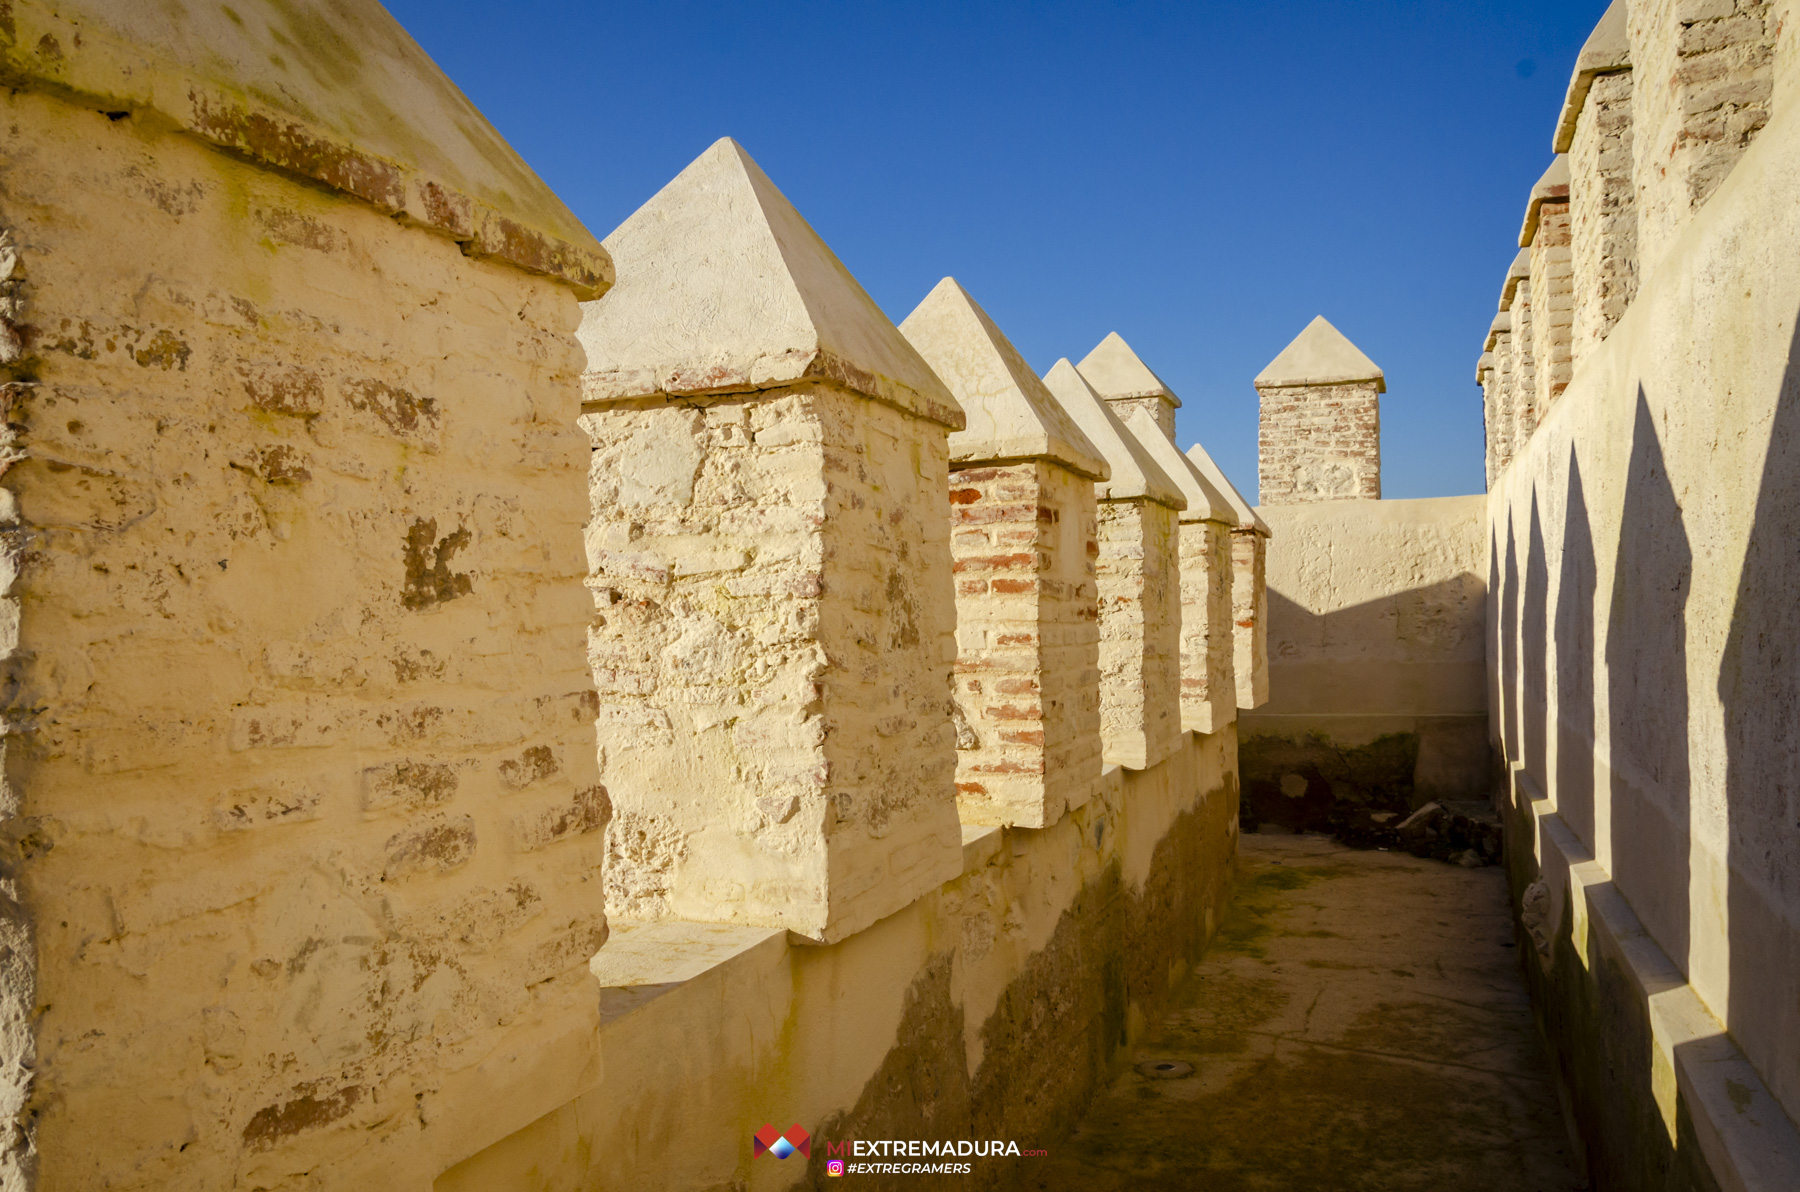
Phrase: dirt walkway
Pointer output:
(1360, 1023)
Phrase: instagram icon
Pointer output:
(834, 1167)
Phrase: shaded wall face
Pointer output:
(1376, 641)
(303, 735)
(1650, 519)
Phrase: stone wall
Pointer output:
(1552, 305)
(1704, 78)
(991, 1008)
(1642, 621)
(315, 815)
(301, 800)
(1376, 672)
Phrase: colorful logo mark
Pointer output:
(780, 1144)
(835, 1167)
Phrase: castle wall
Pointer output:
(1376, 658)
(1642, 624)
(775, 579)
(301, 791)
(991, 1008)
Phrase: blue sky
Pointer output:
(1201, 177)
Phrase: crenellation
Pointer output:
(781, 560)
(1603, 210)
(422, 648)
(1024, 540)
(1319, 437)
(1137, 572)
(1706, 79)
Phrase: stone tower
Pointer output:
(1320, 438)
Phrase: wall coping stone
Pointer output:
(724, 288)
(1011, 416)
(1320, 355)
(1502, 323)
(1606, 51)
(336, 94)
(1135, 475)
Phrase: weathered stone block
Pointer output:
(1024, 538)
(1319, 437)
(298, 512)
(1139, 584)
(771, 560)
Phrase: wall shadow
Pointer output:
(1573, 788)
(1759, 690)
(1646, 670)
(1496, 633)
(1509, 647)
(1534, 710)
(1406, 674)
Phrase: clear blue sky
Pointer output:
(1201, 177)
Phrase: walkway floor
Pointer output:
(1360, 1023)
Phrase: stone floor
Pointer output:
(1360, 1023)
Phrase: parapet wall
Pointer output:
(1376, 647)
(1643, 621)
(992, 1008)
(317, 718)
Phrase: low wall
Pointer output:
(991, 1008)
(1376, 673)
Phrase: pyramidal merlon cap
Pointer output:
(1011, 416)
(1134, 474)
(1553, 187)
(726, 289)
(1114, 371)
(1204, 501)
(1246, 513)
(1320, 355)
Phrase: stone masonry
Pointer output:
(1024, 539)
(1704, 79)
(1320, 433)
(1551, 302)
(1208, 678)
(1117, 374)
(303, 818)
(1596, 133)
(769, 545)
(1139, 584)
